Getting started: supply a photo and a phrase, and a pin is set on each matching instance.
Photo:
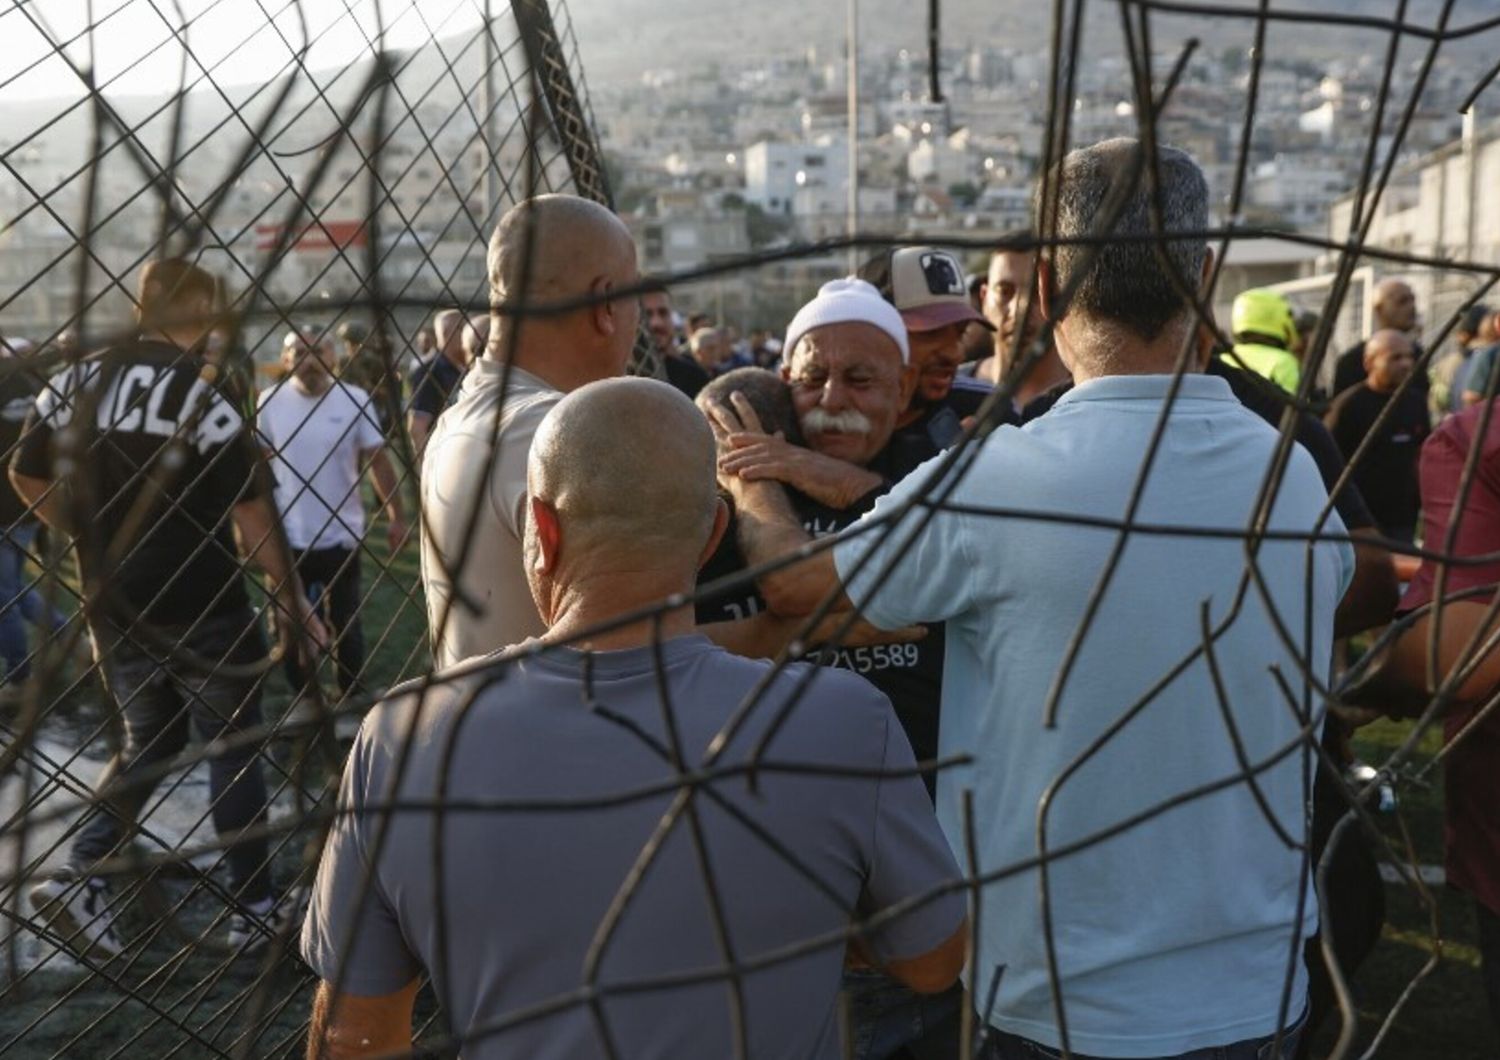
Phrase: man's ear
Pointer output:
(603, 311)
(1044, 287)
(721, 523)
(1206, 339)
(908, 383)
(1206, 273)
(548, 535)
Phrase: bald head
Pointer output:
(1395, 305)
(628, 466)
(447, 329)
(557, 248)
(571, 240)
(1388, 340)
(1389, 359)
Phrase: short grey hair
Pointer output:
(703, 335)
(768, 394)
(1126, 284)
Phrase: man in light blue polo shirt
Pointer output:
(1172, 930)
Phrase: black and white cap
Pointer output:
(926, 285)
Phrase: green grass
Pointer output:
(1445, 1017)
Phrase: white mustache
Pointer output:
(850, 421)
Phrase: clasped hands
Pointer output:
(749, 453)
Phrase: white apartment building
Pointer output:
(941, 162)
(774, 171)
(1442, 206)
(1297, 189)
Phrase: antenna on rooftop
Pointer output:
(934, 51)
(852, 87)
(1471, 175)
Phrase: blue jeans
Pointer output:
(885, 1017)
(20, 603)
(1002, 1046)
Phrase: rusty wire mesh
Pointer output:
(240, 180)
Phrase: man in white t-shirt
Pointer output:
(320, 433)
(474, 468)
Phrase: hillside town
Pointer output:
(709, 163)
(713, 163)
(922, 544)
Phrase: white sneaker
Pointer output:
(252, 930)
(78, 912)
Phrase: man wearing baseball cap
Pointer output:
(848, 361)
(927, 287)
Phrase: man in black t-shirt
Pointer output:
(436, 379)
(848, 368)
(140, 454)
(848, 382)
(910, 674)
(1387, 472)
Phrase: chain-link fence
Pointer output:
(337, 207)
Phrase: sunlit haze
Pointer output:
(139, 48)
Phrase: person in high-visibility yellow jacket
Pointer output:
(1264, 332)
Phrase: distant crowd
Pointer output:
(1032, 739)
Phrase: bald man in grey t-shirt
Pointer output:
(567, 855)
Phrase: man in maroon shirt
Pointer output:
(1471, 832)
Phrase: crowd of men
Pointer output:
(1012, 763)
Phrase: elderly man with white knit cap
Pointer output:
(847, 362)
